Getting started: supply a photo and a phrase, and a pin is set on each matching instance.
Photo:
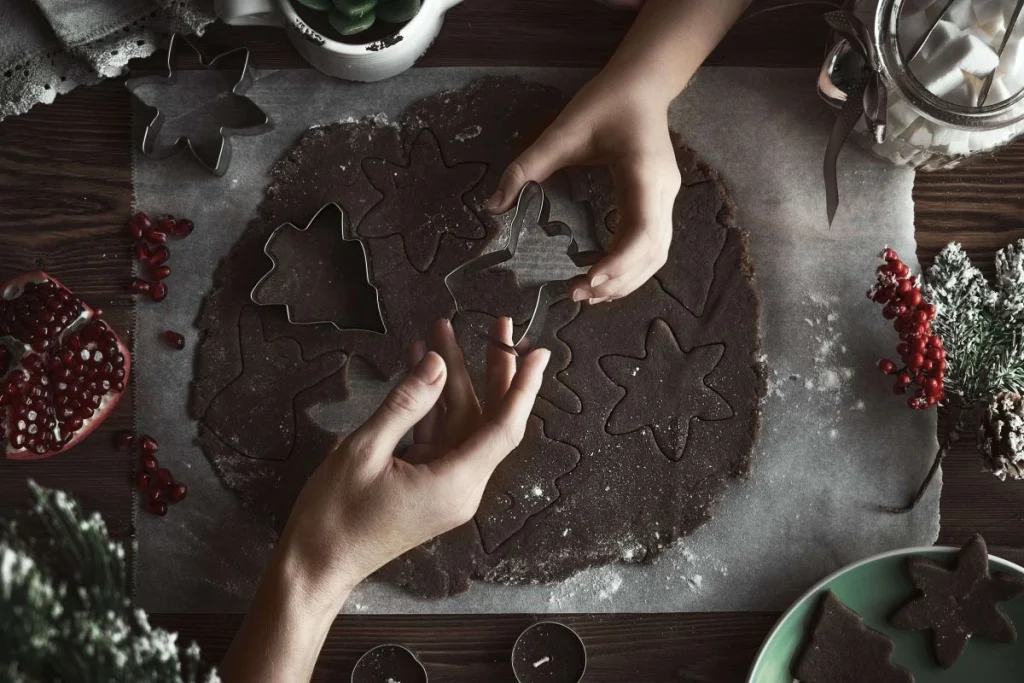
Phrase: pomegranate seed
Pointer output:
(164, 476)
(125, 440)
(140, 286)
(159, 255)
(155, 236)
(139, 224)
(160, 272)
(143, 482)
(184, 227)
(157, 507)
(148, 462)
(141, 252)
(177, 493)
(158, 291)
(174, 339)
(148, 444)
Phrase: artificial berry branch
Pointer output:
(961, 346)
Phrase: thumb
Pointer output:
(407, 404)
(551, 152)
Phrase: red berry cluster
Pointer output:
(924, 358)
(157, 483)
(151, 250)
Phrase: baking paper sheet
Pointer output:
(835, 442)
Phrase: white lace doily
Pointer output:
(46, 49)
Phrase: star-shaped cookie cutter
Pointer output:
(346, 236)
(214, 158)
(532, 209)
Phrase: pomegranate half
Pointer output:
(62, 368)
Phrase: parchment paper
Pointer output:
(835, 442)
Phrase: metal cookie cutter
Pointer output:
(532, 209)
(215, 156)
(324, 214)
(549, 652)
(389, 663)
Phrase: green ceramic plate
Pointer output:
(874, 588)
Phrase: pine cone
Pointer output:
(1001, 436)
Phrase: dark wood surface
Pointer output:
(65, 194)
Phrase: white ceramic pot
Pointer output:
(373, 61)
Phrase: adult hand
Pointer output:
(365, 505)
(616, 120)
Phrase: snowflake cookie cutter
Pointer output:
(214, 155)
(346, 236)
(546, 645)
(532, 210)
(389, 662)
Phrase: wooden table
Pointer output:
(65, 195)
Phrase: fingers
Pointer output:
(476, 458)
(427, 430)
(501, 366)
(459, 396)
(645, 197)
(406, 405)
(552, 150)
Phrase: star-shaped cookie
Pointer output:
(841, 649)
(187, 118)
(665, 390)
(955, 604)
(423, 201)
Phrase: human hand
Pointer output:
(619, 120)
(364, 505)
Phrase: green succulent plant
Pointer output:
(351, 17)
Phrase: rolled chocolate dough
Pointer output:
(650, 404)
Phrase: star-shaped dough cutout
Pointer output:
(955, 604)
(665, 390)
(423, 201)
(185, 117)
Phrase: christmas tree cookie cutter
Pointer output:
(346, 235)
(241, 115)
(532, 210)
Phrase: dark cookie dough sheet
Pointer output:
(208, 555)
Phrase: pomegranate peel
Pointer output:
(66, 368)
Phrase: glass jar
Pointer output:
(920, 46)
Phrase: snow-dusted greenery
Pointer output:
(981, 327)
(65, 614)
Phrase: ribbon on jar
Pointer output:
(867, 99)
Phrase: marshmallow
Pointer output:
(941, 74)
(944, 32)
(962, 95)
(921, 137)
(960, 14)
(911, 27)
(976, 56)
(998, 92)
(899, 117)
(960, 144)
(992, 11)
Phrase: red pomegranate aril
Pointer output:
(148, 444)
(175, 340)
(158, 291)
(177, 493)
(140, 286)
(148, 462)
(125, 440)
(142, 252)
(160, 272)
(157, 507)
(164, 476)
(143, 482)
(155, 236)
(159, 255)
(183, 227)
(138, 225)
